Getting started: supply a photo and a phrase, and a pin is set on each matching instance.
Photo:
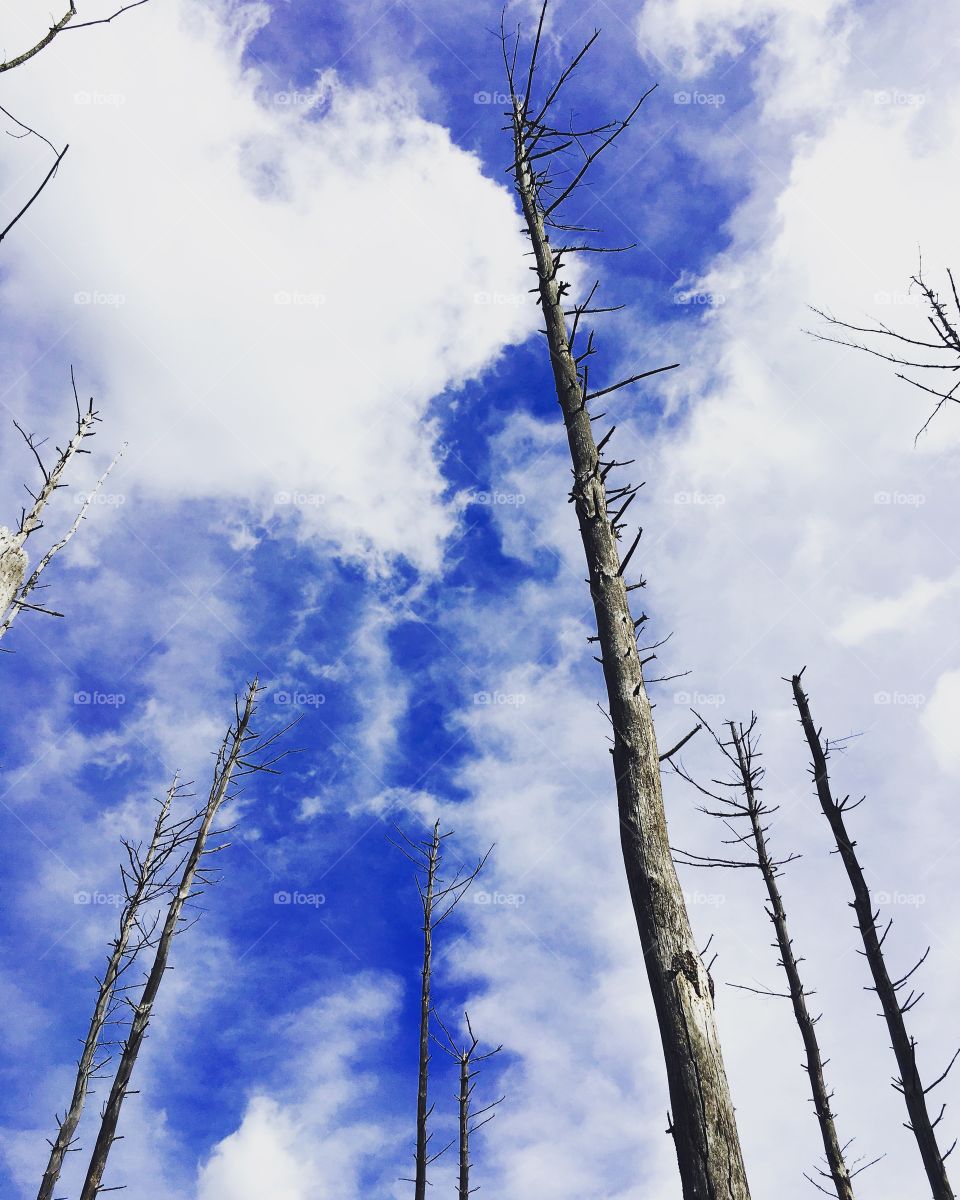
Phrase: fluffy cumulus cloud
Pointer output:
(221, 245)
(308, 1138)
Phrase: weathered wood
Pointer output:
(904, 1048)
(703, 1122)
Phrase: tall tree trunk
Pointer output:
(904, 1048)
(231, 760)
(703, 1124)
(141, 887)
(833, 1150)
(423, 1112)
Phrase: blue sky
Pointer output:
(283, 256)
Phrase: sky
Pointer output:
(283, 256)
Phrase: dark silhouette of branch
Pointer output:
(887, 989)
(438, 898)
(945, 324)
(741, 802)
(242, 753)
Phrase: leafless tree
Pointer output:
(15, 584)
(146, 876)
(888, 990)
(65, 24)
(740, 802)
(242, 753)
(703, 1122)
(438, 898)
(466, 1056)
(918, 353)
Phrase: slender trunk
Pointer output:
(231, 754)
(115, 964)
(704, 1126)
(423, 1112)
(821, 1097)
(463, 1189)
(886, 988)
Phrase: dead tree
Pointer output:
(740, 802)
(241, 754)
(468, 1059)
(147, 876)
(15, 584)
(888, 990)
(438, 899)
(65, 24)
(919, 353)
(60, 26)
(703, 1123)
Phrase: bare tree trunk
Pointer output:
(833, 1150)
(144, 880)
(703, 1123)
(233, 762)
(463, 1182)
(14, 590)
(423, 1111)
(904, 1047)
(438, 899)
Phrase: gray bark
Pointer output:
(703, 1123)
(904, 1047)
(832, 1147)
(143, 883)
(231, 760)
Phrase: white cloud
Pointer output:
(264, 289)
(941, 720)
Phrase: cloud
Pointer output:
(309, 1139)
(940, 719)
(264, 287)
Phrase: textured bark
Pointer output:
(703, 1123)
(463, 1183)
(13, 568)
(123, 951)
(886, 988)
(833, 1150)
(232, 755)
(423, 1112)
